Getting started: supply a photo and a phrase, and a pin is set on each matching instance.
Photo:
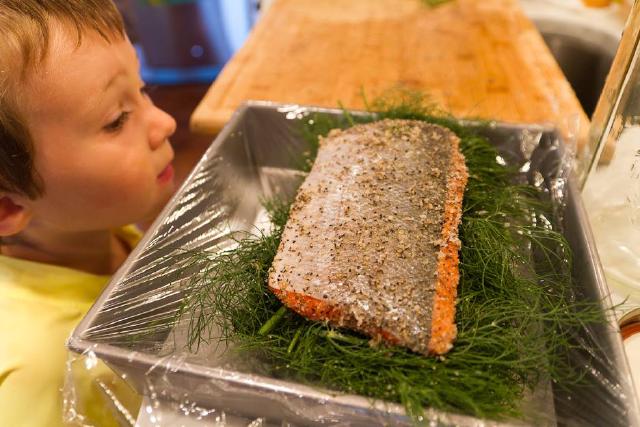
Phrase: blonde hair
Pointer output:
(25, 29)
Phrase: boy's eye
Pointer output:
(118, 123)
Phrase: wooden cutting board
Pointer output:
(475, 58)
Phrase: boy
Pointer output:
(83, 151)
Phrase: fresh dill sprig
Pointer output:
(434, 3)
(227, 293)
(515, 314)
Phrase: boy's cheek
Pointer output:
(101, 207)
(105, 187)
(117, 185)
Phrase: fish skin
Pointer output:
(371, 243)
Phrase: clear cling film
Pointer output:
(139, 328)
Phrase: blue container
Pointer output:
(183, 41)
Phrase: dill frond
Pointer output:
(434, 3)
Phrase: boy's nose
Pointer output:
(162, 127)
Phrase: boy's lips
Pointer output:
(166, 175)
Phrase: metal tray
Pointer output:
(128, 326)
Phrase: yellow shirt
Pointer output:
(40, 304)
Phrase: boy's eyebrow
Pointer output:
(94, 104)
(112, 80)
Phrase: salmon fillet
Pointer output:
(371, 243)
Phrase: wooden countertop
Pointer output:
(475, 58)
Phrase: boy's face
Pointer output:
(102, 147)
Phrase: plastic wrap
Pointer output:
(132, 326)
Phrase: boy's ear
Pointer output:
(14, 215)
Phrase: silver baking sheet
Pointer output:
(255, 156)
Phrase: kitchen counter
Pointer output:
(481, 59)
